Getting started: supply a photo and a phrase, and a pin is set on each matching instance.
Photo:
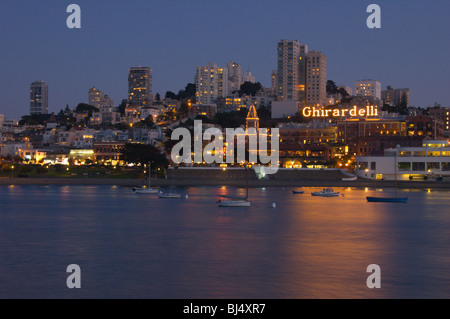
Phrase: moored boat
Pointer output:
(326, 192)
(387, 199)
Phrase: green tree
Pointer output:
(403, 105)
(249, 88)
(122, 106)
(143, 154)
(331, 87)
(171, 95)
(83, 107)
(147, 123)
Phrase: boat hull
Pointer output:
(146, 191)
(298, 192)
(233, 203)
(387, 199)
(170, 196)
(325, 195)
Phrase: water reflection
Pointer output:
(133, 246)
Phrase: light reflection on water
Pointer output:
(140, 246)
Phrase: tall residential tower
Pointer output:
(38, 98)
(291, 71)
(139, 86)
(316, 79)
(211, 82)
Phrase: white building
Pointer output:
(99, 99)
(234, 77)
(150, 111)
(368, 88)
(248, 77)
(211, 82)
(430, 161)
(316, 78)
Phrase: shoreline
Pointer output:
(183, 182)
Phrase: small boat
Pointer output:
(236, 201)
(387, 199)
(169, 195)
(146, 189)
(233, 203)
(326, 192)
(298, 192)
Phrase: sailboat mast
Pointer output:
(246, 178)
(395, 166)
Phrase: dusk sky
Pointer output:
(411, 50)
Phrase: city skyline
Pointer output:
(102, 51)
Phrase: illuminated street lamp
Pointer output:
(12, 171)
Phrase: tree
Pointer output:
(143, 154)
(83, 107)
(331, 87)
(147, 123)
(343, 92)
(249, 88)
(157, 97)
(122, 106)
(171, 95)
(184, 109)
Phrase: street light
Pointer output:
(12, 171)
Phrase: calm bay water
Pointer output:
(140, 246)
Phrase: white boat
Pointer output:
(233, 203)
(236, 201)
(169, 195)
(147, 189)
(326, 192)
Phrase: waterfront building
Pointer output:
(308, 133)
(443, 114)
(425, 126)
(431, 160)
(108, 153)
(38, 98)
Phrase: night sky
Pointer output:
(172, 37)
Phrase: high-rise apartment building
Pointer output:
(393, 96)
(368, 88)
(248, 77)
(234, 77)
(211, 82)
(99, 99)
(38, 98)
(316, 79)
(139, 86)
(274, 81)
(291, 71)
